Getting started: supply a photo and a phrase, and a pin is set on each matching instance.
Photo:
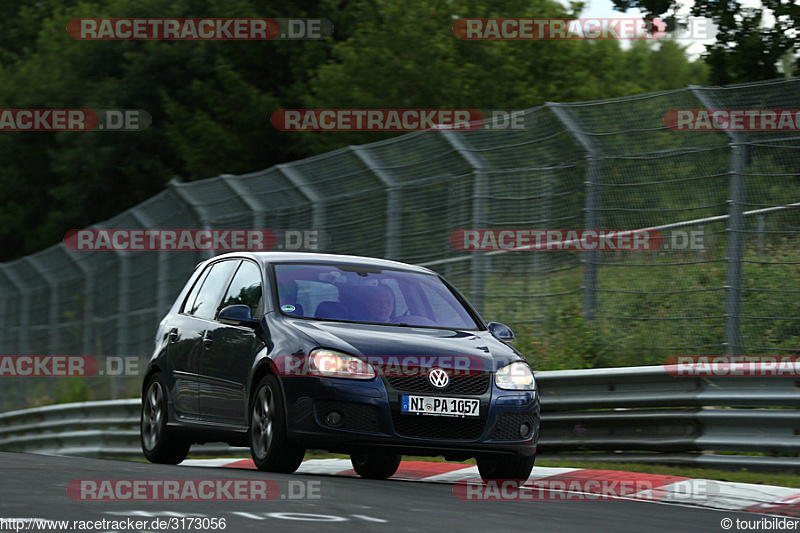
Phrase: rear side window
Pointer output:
(188, 305)
(205, 300)
(245, 288)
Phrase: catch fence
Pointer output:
(725, 280)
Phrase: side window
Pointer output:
(245, 288)
(188, 305)
(205, 303)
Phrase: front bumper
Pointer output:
(371, 418)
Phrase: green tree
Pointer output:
(401, 58)
(746, 49)
(210, 101)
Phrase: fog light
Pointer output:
(524, 430)
(334, 419)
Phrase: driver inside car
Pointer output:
(380, 303)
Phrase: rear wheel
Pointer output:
(514, 468)
(375, 465)
(159, 444)
(270, 446)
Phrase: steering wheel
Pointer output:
(413, 320)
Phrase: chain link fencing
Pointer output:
(610, 164)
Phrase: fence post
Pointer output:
(123, 309)
(733, 275)
(24, 328)
(480, 189)
(195, 207)
(306, 189)
(53, 318)
(393, 201)
(4, 342)
(245, 196)
(7, 339)
(592, 201)
(701, 241)
(88, 301)
(162, 269)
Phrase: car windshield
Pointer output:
(369, 295)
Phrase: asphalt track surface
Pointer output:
(35, 486)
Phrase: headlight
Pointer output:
(516, 376)
(331, 364)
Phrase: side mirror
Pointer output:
(501, 331)
(237, 315)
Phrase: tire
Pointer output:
(270, 446)
(375, 465)
(159, 443)
(507, 468)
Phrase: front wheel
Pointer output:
(511, 468)
(270, 446)
(375, 465)
(159, 444)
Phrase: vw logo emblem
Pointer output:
(438, 378)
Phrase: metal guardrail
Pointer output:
(644, 414)
(639, 414)
(85, 429)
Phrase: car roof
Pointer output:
(265, 258)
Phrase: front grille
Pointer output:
(507, 427)
(355, 416)
(438, 427)
(472, 385)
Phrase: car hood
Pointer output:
(376, 340)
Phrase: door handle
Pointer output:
(173, 334)
(207, 339)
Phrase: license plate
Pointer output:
(436, 405)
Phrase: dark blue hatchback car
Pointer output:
(283, 352)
